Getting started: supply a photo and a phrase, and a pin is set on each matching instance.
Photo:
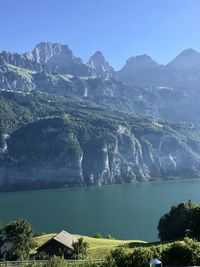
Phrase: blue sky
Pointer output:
(119, 28)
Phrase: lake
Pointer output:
(124, 211)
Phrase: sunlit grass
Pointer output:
(98, 247)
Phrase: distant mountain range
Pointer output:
(54, 58)
(142, 86)
(65, 122)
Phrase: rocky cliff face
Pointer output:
(100, 66)
(142, 71)
(160, 102)
(60, 123)
(182, 73)
(142, 86)
(53, 58)
(62, 151)
(49, 57)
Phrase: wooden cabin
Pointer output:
(57, 244)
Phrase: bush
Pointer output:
(41, 256)
(182, 253)
(80, 249)
(19, 234)
(55, 261)
(179, 253)
(180, 222)
(97, 235)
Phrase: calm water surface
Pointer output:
(124, 211)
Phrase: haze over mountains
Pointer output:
(140, 70)
(51, 99)
(142, 85)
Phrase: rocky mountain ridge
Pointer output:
(53, 58)
(157, 102)
(60, 123)
(55, 142)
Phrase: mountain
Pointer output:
(64, 122)
(49, 57)
(182, 73)
(188, 59)
(49, 141)
(141, 71)
(158, 102)
(100, 66)
(140, 62)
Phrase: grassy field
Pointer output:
(99, 247)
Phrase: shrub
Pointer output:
(97, 235)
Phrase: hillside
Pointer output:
(142, 86)
(64, 122)
(49, 141)
(98, 247)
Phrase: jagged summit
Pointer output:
(140, 70)
(187, 59)
(100, 66)
(46, 51)
(141, 61)
(53, 58)
(188, 51)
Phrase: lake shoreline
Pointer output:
(171, 178)
(126, 211)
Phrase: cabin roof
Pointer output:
(65, 238)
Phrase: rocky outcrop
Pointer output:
(100, 66)
(188, 59)
(49, 57)
(182, 73)
(53, 68)
(58, 152)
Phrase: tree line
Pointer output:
(179, 229)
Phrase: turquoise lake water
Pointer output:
(124, 211)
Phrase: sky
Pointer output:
(118, 28)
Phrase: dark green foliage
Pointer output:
(55, 261)
(88, 264)
(125, 257)
(178, 254)
(184, 253)
(121, 257)
(80, 249)
(195, 223)
(1, 234)
(19, 234)
(97, 235)
(182, 221)
(109, 261)
(57, 141)
(41, 256)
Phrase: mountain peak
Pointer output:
(97, 59)
(142, 61)
(100, 66)
(47, 51)
(98, 54)
(188, 51)
(187, 59)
